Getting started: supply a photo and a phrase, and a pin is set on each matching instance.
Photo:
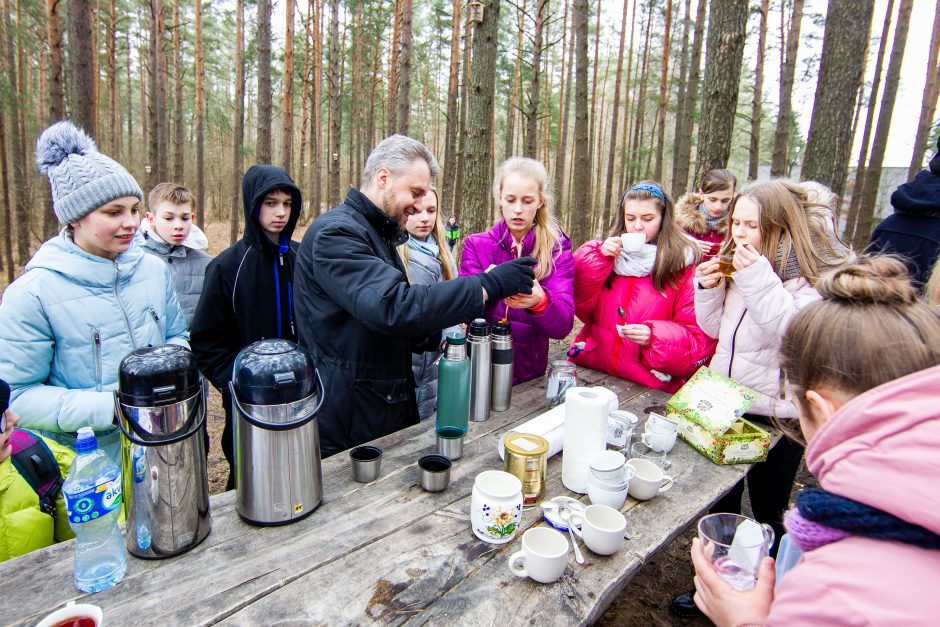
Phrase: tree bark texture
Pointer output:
(336, 108)
(581, 194)
(178, 94)
(158, 109)
(663, 93)
(478, 130)
(265, 112)
(200, 123)
(780, 161)
(239, 139)
(929, 101)
(727, 29)
(754, 149)
(404, 70)
(393, 77)
(534, 94)
(56, 109)
(81, 76)
(287, 119)
(615, 112)
(14, 99)
(844, 44)
(450, 132)
(683, 150)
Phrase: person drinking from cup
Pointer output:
(426, 262)
(871, 535)
(779, 253)
(634, 293)
(528, 227)
(703, 215)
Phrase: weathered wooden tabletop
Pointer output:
(384, 552)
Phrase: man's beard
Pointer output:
(402, 216)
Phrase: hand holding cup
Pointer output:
(708, 273)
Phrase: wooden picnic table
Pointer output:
(383, 552)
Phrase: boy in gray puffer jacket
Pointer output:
(168, 232)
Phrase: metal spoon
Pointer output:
(564, 513)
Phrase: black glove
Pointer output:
(509, 278)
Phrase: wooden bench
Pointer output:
(384, 552)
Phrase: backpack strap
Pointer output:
(37, 465)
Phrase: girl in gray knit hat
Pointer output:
(88, 297)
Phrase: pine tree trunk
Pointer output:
(929, 101)
(873, 172)
(661, 109)
(114, 128)
(561, 152)
(56, 110)
(779, 164)
(316, 143)
(129, 135)
(592, 115)
(336, 108)
(239, 140)
(639, 121)
(265, 108)
(393, 77)
(844, 45)
(450, 132)
(727, 29)
(7, 208)
(683, 151)
(466, 73)
(512, 102)
(287, 118)
(158, 109)
(754, 150)
(404, 70)
(305, 100)
(628, 105)
(478, 129)
(615, 110)
(178, 93)
(200, 124)
(18, 153)
(581, 197)
(81, 76)
(531, 133)
(859, 182)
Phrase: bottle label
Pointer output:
(94, 502)
(140, 463)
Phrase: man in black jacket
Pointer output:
(356, 310)
(247, 294)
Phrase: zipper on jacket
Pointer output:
(117, 297)
(96, 339)
(153, 313)
(734, 337)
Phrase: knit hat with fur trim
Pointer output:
(82, 178)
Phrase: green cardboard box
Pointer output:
(709, 407)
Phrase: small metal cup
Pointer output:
(434, 471)
(451, 448)
(366, 461)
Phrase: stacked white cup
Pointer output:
(660, 433)
(609, 479)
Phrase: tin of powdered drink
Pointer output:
(526, 459)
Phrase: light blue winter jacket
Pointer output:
(67, 323)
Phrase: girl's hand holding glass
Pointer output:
(722, 603)
(611, 246)
(745, 256)
(708, 273)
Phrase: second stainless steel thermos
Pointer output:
(502, 357)
(479, 343)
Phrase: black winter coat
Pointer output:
(247, 293)
(362, 320)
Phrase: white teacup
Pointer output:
(648, 481)
(544, 555)
(601, 527)
(632, 242)
(601, 495)
(658, 422)
(73, 611)
(659, 441)
(608, 465)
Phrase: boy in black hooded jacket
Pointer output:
(248, 290)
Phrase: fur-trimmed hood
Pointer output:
(691, 220)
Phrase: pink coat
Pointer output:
(678, 346)
(530, 331)
(881, 448)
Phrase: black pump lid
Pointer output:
(157, 376)
(503, 327)
(273, 372)
(479, 327)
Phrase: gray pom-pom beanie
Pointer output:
(82, 178)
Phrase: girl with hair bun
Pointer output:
(779, 251)
(88, 297)
(863, 365)
(637, 304)
(527, 228)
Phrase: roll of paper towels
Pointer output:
(550, 425)
(586, 411)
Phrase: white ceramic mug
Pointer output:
(632, 242)
(544, 555)
(649, 479)
(659, 440)
(496, 506)
(601, 527)
(73, 610)
(658, 422)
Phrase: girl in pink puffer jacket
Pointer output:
(636, 298)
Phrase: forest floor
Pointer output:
(645, 599)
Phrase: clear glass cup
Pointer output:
(561, 376)
(642, 451)
(735, 545)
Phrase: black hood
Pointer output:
(257, 182)
(920, 197)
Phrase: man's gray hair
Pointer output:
(397, 153)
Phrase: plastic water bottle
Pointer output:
(93, 499)
(141, 511)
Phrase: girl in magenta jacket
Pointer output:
(638, 306)
(528, 228)
(871, 535)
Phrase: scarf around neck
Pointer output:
(638, 264)
(711, 222)
(429, 247)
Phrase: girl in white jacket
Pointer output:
(778, 253)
